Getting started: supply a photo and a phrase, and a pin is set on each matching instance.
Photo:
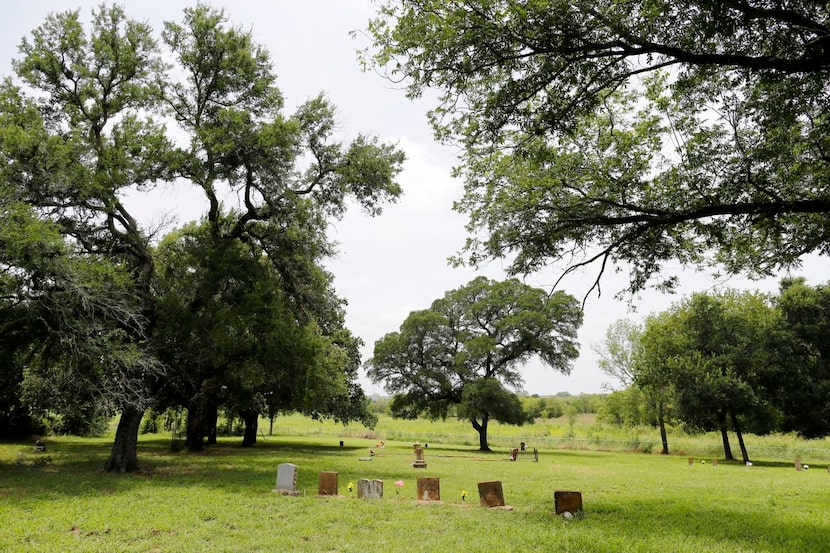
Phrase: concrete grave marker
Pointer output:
(567, 502)
(419, 462)
(429, 489)
(327, 483)
(287, 479)
(491, 494)
(369, 489)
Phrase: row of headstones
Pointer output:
(491, 494)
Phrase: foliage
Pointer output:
(628, 133)
(469, 345)
(805, 388)
(104, 112)
(616, 352)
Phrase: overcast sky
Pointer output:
(395, 263)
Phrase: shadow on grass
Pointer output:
(773, 529)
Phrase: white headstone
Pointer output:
(287, 479)
(369, 489)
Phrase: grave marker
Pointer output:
(287, 479)
(491, 494)
(798, 464)
(429, 489)
(567, 502)
(419, 462)
(369, 489)
(327, 483)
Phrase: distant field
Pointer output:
(585, 434)
(221, 500)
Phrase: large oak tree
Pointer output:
(627, 132)
(467, 349)
(105, 111)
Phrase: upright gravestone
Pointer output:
(567, 502)
(287, 479)
(798, 465)
(491, 494)
(419, 462)
(369, 489)
(327, 483)
(429, 489)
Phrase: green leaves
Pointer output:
(578, 150)
(469, 346)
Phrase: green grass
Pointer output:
(221, 500)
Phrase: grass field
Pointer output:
(222, 500)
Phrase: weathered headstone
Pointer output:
(798, 463)
(419, 462)
(567, 502)
(491, 494)
(327, 483)
(429, 489)
(287, 479)
(369, 489)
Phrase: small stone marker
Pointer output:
(327, 483)
(798, 464)
(419, 462)
(491, 494)
(691, 461)
(567, 502)
(429, 489)
(369, 489)
(287, 479)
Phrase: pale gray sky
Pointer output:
(395, 263)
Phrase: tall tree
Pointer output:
(715, 352)
(101, 104)
(468, 348)
(804, 388)
(616, 352)
(579, 149)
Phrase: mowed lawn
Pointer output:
(222, 500)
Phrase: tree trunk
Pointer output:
(727, 450)
(662, 422)
(211, 418)
(251, 418)
(481, 428)
(124, 454)
(736, 426)
(194, 441)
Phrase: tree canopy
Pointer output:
(467, 349)
(105, 111)
(627, 133)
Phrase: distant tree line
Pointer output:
(739, 361)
